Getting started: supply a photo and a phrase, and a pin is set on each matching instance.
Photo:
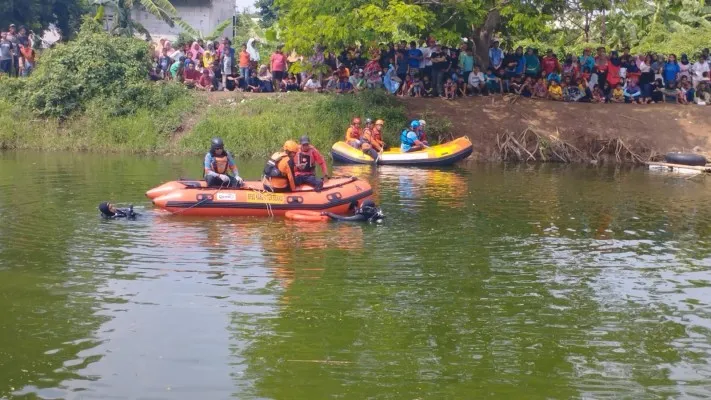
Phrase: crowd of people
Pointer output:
(17, 56)
(432, 70)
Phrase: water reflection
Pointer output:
(492, 281)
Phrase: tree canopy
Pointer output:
(570, 24)
(37, 15)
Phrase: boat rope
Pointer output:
(206, 198)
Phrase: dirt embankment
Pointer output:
(622, 132)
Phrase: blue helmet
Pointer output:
(415, 124)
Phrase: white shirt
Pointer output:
(312, 84)
(426, 54)
(476, 78)
(428, 62)
(699, 68)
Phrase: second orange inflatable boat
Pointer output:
(192, 198)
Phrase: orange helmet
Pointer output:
(291, 146)
(380, 122)
(356, 121)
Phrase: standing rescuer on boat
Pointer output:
(279, 171)
(218, 165)
(305, 163)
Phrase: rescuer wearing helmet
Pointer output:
(279, 171)
(353, 133)
(367, 143)
(218, 166)
(410, 139)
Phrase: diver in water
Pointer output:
(110, 211)
(367, 212)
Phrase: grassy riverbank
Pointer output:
(251, 125)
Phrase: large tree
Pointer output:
(339, 22)
(37, 15)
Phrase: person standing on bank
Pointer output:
(220, 168)
(305, 165)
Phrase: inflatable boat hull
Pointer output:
(439, 155)
(337, 196)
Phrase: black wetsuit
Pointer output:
(127, 213)
(363, 214)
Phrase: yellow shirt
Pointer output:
(207, 59)
(555, 91)
(618, 93)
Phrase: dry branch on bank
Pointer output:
(530, 145)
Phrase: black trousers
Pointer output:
(310, 180)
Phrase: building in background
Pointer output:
(203, 15)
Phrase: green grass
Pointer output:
(253, 126)
(94, 130)
(258, 126)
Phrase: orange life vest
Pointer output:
(220, 164)
(353, 133)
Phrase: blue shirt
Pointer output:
(521, 65)
(587, 62)
(671, 70)
(209, 159)
(412, 58)
(411, 136)
(496, 56)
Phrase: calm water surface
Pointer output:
(486, 281)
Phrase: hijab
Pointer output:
(253, 53)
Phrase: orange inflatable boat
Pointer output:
(193, 198)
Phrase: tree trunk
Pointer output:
(587, 27)
(603, 28)
(483, 35)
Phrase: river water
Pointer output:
(485, 281)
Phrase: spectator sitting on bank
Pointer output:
(618, 94)
(344, 87)
(313, 84)
(205, 82)
(540, 90)
(332, 82)
(427, 89)
(450, 89)
(417, 87)
(253, 83)
(555, 92)
(703, 94)
(597, 95)
(633, 93)
(526, 90)
(476, 85)
(291, 84)
(191, 76)
(493, 82)
(461, 86)
(265, 79)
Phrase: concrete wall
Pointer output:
(203, 15)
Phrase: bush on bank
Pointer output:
(94, 67)
(258, 126)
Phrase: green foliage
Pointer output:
(37, 15)
(268, 12)
(94, 66)
(259, 126)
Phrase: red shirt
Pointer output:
(309, 160)
(278, 62)
(550, 64)
(205, 80)
(191, 74)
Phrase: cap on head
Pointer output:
(368, 121)
(415, 124)
(422, 122)
(304, 140)
(217, 143)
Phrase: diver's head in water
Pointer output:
(107, 209)
(370, 211)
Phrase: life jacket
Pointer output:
(220, 164)
(271, 169)
(306, 161)
(406, 140)
(352, 133)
